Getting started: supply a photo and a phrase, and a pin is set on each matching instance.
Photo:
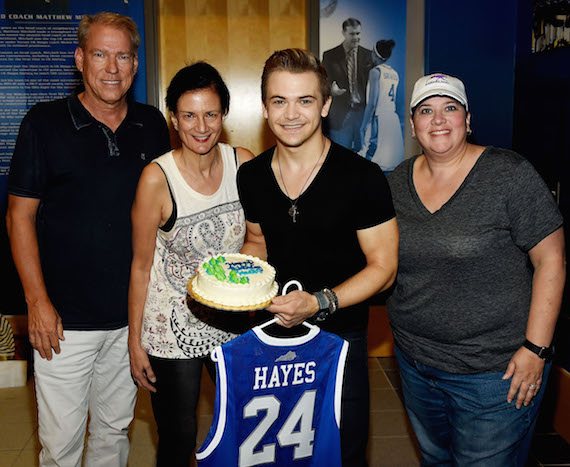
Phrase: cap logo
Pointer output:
(437, 79)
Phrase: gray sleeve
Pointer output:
(533, 212)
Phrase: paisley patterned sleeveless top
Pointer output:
(203, 225)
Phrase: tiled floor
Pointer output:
(391, 441)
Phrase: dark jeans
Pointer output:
(174, 406)
(465, 419)
(355, 401)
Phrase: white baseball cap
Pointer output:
(438, 84)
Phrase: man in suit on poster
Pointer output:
(347, 67)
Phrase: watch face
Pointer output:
(321, 315)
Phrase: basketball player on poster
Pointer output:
(381, 130)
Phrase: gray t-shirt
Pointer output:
(464, 283)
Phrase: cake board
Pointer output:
(217, 306)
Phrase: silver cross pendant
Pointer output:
(293, 211)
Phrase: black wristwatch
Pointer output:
(543, 352)
(328, 304)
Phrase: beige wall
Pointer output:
(235, 36)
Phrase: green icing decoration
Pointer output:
(234, 277)
(214, 268)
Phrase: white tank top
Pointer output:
(205, 225)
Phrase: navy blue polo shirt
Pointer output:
(85, 177)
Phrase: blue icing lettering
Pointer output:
(254, 270)
(245, 268)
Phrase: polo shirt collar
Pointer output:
(81, 117)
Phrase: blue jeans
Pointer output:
(464, 419)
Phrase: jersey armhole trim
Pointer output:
(339, 382)
(222, 412)
(169, 224)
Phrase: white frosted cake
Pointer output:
(235, 280)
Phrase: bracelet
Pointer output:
(328, 304)
(333, 299)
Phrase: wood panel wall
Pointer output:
(236, 37)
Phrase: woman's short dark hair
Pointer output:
(199, 75)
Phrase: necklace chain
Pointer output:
(293, 211)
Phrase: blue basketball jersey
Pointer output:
(277, 401)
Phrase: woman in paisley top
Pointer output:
(186, 207)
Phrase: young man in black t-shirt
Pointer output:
(323, 215)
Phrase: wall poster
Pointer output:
(38, 39)
(362, 44)
(37, 42)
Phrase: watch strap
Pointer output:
(322, 300)
(328, 304)
(543, 352)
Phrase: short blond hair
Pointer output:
(107, 18)
(295, 61)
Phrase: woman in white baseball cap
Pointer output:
(473, 323)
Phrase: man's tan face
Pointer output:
(107, 63)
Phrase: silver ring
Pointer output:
(532, 386)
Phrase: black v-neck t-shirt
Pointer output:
(321, 249)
